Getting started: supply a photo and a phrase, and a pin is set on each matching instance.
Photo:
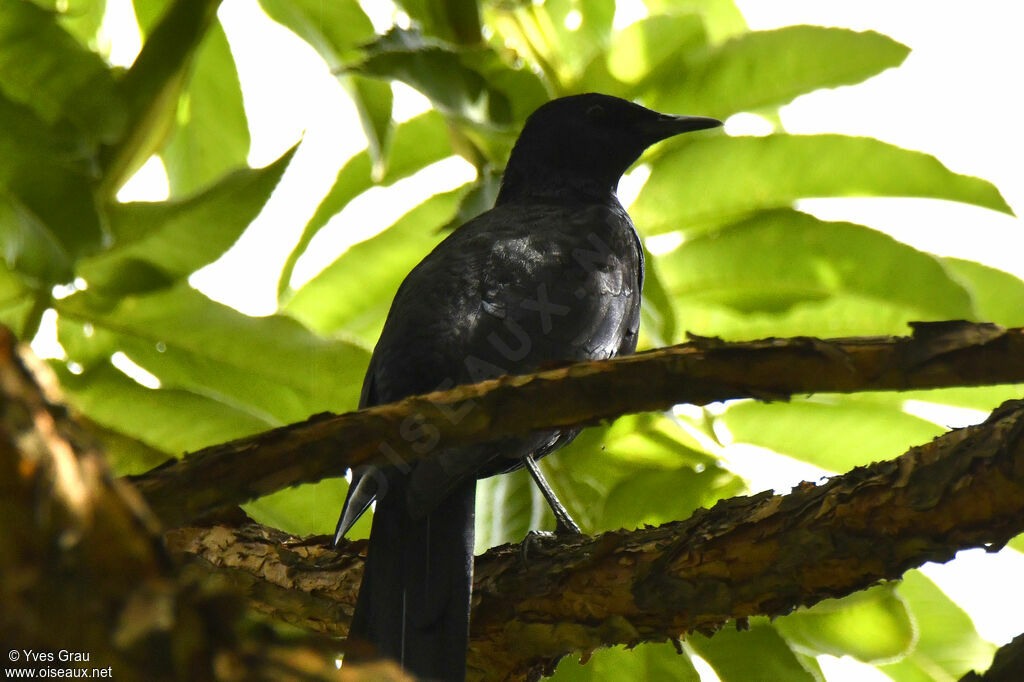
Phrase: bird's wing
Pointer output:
(514, 290)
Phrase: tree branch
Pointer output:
(938, 355)
(747, 556)
(82, 568)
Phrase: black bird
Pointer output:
(553, 273)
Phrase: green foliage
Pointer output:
(947, 645)
(873, 626)
(748, 264)
(645, 662)
(697, 185)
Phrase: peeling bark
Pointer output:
(83, 568)
(747, 556)
(938, 355)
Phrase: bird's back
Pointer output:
(521, 287)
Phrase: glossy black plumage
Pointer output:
(552, 274)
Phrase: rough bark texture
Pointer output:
(760, 555)
(705, 370)
(83, 569)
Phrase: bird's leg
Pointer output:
(564, 525)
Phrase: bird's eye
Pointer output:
(595, 112)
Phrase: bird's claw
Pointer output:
(533, 539)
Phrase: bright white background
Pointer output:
(957, 96)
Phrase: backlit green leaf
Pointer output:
(353, 294)
(871, 626)
(836, 435)
(211, 133)
(722, 18)
(507, 508)
(998, 296)
(759, 653)
(645, 662)
(947, 644)
(272, 367)
(710, 180)
(777, 259)
(334, 29)
(151, 87)
(769, 68)
(171, 420)
(160, 243)
(417, 143)
(470, 84)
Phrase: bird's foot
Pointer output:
(535, 539)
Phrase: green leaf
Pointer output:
(304, 509)
(602, 460)
(150, 89)
(211, 136)
(645, 51)
(47, 183)
(479, 199)
(646, 662)
(170, 420)
(507, 508)
(373, 100)
(418, 142)
(271, 368)
(202, 410)
(80, 18)
(1017, 543)
(17, 301)
(803, 259)
(470, 84)
(334, 29)
(759, 653)
(998, 296)
(871, 626)
(44, 67)
(947, 644)
(353, 294)
(836, 435)
(540, 30)
(657, 313)
(456, 21)
(127, 456)
(721, 18)
(28, 246)
(158, 244)
(84, 344)
(764, 69)
(984, 398)
(654, 496)
(838, 316)
(712, 180)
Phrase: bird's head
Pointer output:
(587, 141)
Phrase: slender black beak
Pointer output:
(667, 125)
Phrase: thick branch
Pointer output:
(706, 370)
(747, 556)
(82, 568)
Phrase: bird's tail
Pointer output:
(413, 605)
